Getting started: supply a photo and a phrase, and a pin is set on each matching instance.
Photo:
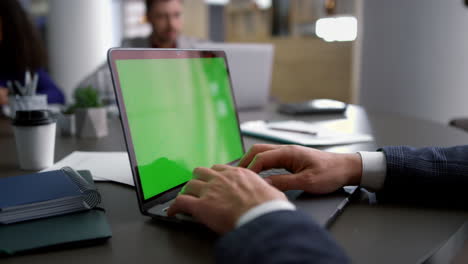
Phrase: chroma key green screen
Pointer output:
(181, 116)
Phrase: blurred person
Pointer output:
(259, 225)
(21, 49)
(166, 20)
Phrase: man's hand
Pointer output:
(3, 95)
(217, 197)
(312, 170)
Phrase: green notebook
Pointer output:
(70, 229)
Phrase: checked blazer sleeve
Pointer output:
(279, 237)
(429, 174)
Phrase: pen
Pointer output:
(312, 133)
(19, 88)
(340, 208)
(34, 84)
(27, 81)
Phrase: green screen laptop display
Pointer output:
(181, 115)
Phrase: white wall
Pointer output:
(79, 34)
(414, 58)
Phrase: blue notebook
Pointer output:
(64, 231)
(45, 194)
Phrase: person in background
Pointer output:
(259, 225)
(21, 50)
(166, 20)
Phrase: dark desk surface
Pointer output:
(369, 233)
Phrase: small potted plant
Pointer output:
(90, 114)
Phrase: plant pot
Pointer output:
(91, 122)
(27, 102)
(67, 124)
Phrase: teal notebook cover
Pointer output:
(72, 228)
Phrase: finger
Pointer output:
(253, 151)
(268, 160)
(203, 174)
(220, 167)
(286, 182)
(193, 187)
(183, 204)
(269, 181)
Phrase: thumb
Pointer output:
(286, 182)
(183, 204)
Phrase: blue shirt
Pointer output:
(45, 85)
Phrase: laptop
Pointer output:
(251, 68)
(177, 113)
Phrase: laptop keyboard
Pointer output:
(290, 194)
(272, 172)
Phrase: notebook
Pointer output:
(178, 113)
(75, 229)
(45, 194)
(302, 133)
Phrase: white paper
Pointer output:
(325, 136)
(104, 166)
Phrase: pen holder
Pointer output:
(26, 103)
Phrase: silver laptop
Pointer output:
(177, 113)
(251, 68)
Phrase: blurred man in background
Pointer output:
(166, 20)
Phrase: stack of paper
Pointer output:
(303, 133)
(45, 194)
(105, 166)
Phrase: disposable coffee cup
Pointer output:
(35, 139)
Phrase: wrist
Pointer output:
(353, 167)
(264, 208)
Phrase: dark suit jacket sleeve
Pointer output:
(279, 237)
(426, 175)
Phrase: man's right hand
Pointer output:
(219, 196)
(3, 96)
(312, 170)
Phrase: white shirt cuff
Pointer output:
(374, 170)
(264, 208)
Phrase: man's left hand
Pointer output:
(217, 197)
